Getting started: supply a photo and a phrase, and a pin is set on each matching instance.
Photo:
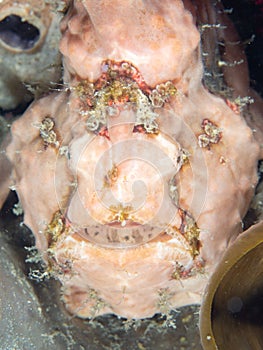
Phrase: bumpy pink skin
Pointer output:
(215, 186)
(141, 32)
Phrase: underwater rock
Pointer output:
(136, 178)
(30, 59)
(23, 321)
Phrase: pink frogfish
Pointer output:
(135, 178)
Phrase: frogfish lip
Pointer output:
(124, 223)
(118, 234)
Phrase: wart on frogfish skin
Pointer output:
(161, 94)
(111, 176)
(56, 228)
(190, 232)
(47, 132)
(212, 134)
(180, 272)
(121, 213)
(121, 83)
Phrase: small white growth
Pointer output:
(229, 64)
(228, 11)
(212, 26)
(38, 275)
(145, 115)
(64, 151)
(34, 255)
(96, 118)
(17, 209)
(243, 101)
(173, 192)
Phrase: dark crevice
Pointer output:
(247, 16)
(17, 33)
